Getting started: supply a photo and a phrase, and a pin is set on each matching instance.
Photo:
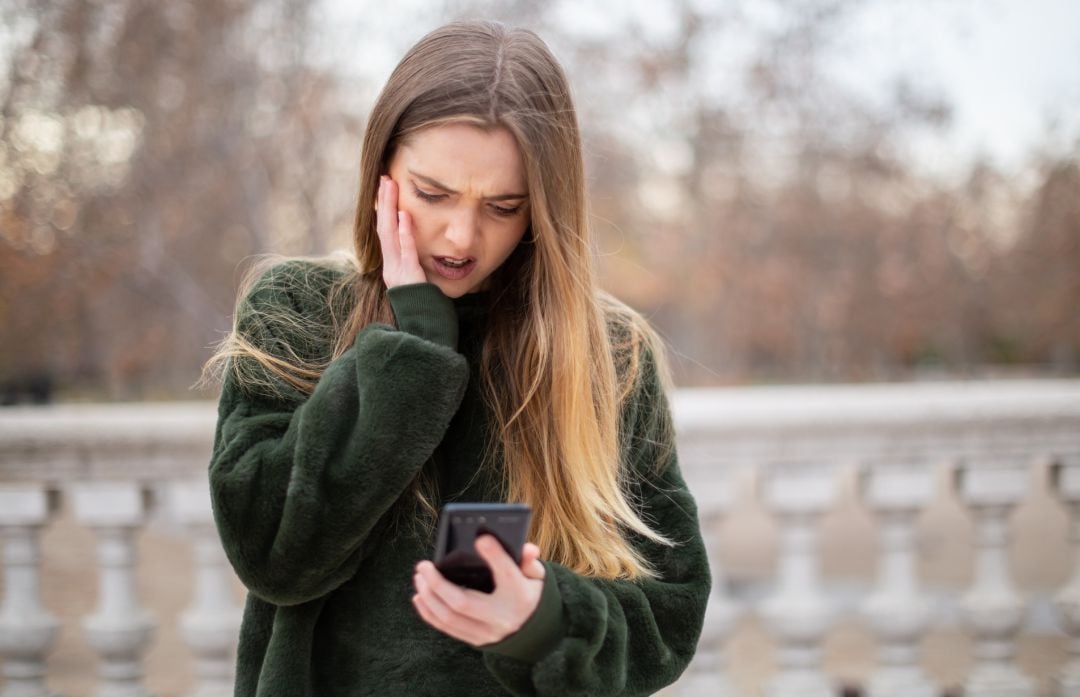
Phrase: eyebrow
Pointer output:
(439, 185)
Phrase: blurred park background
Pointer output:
(792, 190)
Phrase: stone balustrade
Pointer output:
(896, 450)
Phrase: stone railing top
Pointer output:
(161, 421)
(154, 441)
(70, 442)
(724, 407)
(874, 405)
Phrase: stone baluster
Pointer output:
(1066, 479)
(121, 629)
(707, 674)
(991, 485)
(896, 490)
(799, 614)
(27, 630)
(212, 624)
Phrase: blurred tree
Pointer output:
(145, 148)
(771, 220)
(768, 219)
(1037, 306)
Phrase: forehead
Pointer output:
(465, 157)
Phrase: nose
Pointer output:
(462, 230)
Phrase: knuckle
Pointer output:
(458, 603)
(436, 610)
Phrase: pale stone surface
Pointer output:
(709, 674)
(1065, 477)
(165, 581)
(212, 622)
(798, 613)
(993, 484)
(120, 628)
(27, 630)
(723, 433)
(898, 612)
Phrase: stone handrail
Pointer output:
(120, 468)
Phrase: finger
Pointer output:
(529, 553)
(432, 619)
(386, 223)
(451, 622)
(535, 570)
(503, 567)
(392, 198)
(406, 241)
(381, 199)
(452, 595)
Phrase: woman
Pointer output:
(464, 354)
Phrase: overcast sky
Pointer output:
(1006, 66)
(1009, 68)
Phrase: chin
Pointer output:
(449, 288)
(451, 292)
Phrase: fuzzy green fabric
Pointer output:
(304, 487)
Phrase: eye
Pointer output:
(506, 212)
(424, 196)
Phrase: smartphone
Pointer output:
(460, 524)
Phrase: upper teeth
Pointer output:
(451, 262)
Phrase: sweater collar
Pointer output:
(472, 306)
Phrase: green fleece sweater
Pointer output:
(303, 487)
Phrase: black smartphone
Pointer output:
(459, 526)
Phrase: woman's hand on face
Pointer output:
(401, 264)
(482, 618)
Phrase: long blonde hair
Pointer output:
(561, 358)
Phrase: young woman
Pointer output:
(463, 354)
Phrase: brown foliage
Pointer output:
(777, 231)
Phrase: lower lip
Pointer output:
(454, 273)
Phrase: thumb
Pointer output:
(535, 570)
(530, 562)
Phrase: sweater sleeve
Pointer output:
(621, 637)
(298, 486)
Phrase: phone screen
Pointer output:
(461, 523)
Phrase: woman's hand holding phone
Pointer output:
(476, 617)
(401, 264)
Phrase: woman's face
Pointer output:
(466, 192)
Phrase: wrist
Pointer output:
(424, 310)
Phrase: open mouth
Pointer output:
(454, 269)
